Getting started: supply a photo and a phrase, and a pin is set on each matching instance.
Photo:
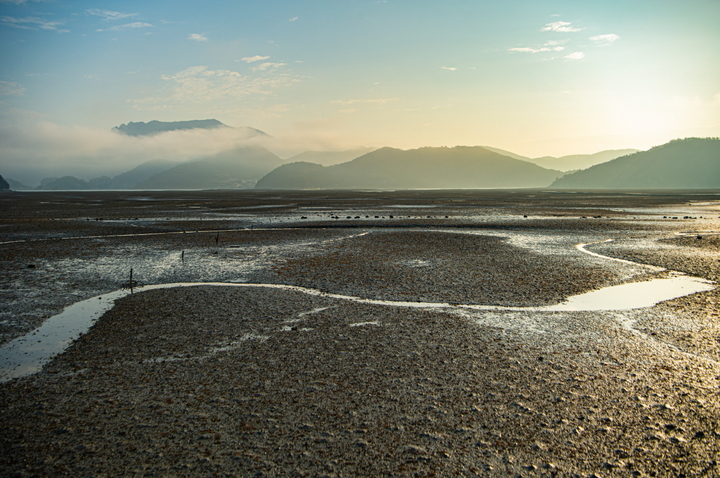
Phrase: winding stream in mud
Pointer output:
(28, 354)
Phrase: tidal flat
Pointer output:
(275, 381)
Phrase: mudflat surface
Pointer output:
(251, 381)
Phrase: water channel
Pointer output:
(28, 354)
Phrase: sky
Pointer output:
(533, 77)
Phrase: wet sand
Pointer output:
(254, 382)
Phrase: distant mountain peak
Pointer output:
(153, 127)
(328, 158)
(580, 161)
(141, 128)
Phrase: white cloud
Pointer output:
(127, 26)
(605, 39)
(548, 46)
(32, 23)
(199, 85)
(109, 14)
(451, 68)
(562, 27)
(9, 88)
(529, 50)
(380, 101)
(250, 59)
(197, 37)
(293, 19)
(267, 66)
(578, 55)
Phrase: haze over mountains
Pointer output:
(691, 163)
(142, 173)
(580, 161)
(571, 162)
(239, 168)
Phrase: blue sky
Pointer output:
(534, 77)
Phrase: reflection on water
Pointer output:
(635, 295)
(27, 354)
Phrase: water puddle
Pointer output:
(636, 295)
(27, 354)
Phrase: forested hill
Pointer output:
(390, 168)
(692, 163)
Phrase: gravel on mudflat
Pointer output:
(251, 381)
(442, 266)
(204, 380)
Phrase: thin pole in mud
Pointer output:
(182, 256)
(131, 281)
(217, 238)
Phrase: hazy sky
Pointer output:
(533, 77)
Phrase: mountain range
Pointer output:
(571, 162)
(580, 161)
(126, 180)
(688, 163)
(239, 168)
(390, 168)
